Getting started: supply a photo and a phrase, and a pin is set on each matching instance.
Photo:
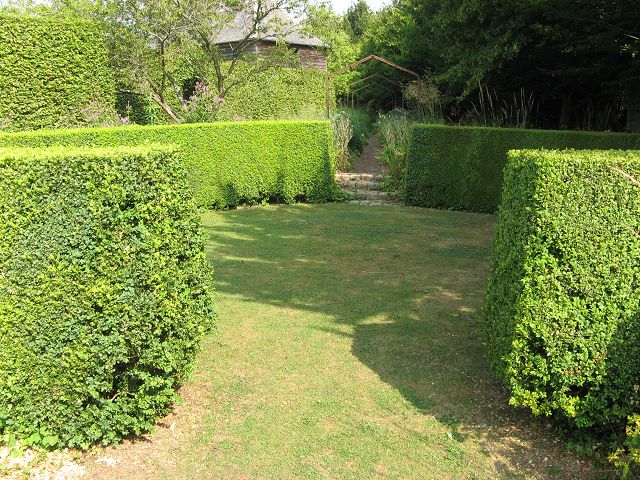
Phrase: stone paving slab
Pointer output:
(366, 188)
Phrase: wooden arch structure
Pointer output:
(330, 75)
(388, 81)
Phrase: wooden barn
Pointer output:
(310, 50)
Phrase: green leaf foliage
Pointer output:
(627, 457)
(275, 94)
(227, 163)
(461, 168)
(333, 29)
(53, 73)
(562, 310)
(105, 291)
(278, 93)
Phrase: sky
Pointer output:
(340, 6)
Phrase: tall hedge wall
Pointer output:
(283, 93)
(53, 73)
(104, 291)
(562, 310)
(461, 168)
(277, 94)
(227, 163)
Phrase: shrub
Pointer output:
(342, 134)
(393, 130)
(278, 93)
(139, 109)
(461, 168)
(562, 311)
(362, 124)
(351, 129)
(627, 457)
(424, 100)
(275, 94)
(53, 73)
(227, 163)
(104, 291)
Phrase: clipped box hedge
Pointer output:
(53, 73)
(275, 94)
(279, 93)
(227, 163)
(461, 168)
(104, 291)
(562, 310)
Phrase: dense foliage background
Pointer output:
(535, 64)
(552, 64)
(53, 73)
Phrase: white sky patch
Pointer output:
(340, 6)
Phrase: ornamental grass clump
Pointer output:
(394, 131)
(342, 134)
(104, 291)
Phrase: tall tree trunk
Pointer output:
(565, 112)
(165, 107)
(632, 104)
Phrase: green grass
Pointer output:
(348, 347)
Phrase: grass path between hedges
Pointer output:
(347, 347)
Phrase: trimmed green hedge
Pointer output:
(461, 168)
(104, 291)
(277, 94)
(562, 310)
(280, 93)
(227, 163)
(53, 73)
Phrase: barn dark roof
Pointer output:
(286, 30)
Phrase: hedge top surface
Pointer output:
(61, 152)
(538, 131)
(17, 17)
(125, 128)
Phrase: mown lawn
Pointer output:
(347, 347)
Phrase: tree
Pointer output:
(147, 39)
(578, 58)
(358, 16)
(262, 19)
(386, 36)
(323, 23)
(159, 46)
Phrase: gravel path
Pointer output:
(368, 161)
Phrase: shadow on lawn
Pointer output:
(410, 288)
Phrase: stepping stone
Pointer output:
(367, 187)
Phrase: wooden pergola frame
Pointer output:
(330, 75)
(386, 86)
(375, 75)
